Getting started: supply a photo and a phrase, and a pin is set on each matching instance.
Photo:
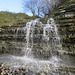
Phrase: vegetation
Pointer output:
(65, 3)
(8, 18)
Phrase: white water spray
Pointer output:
(41, 41)
(50, 37)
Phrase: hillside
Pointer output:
(9, 19)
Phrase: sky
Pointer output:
(15, 6)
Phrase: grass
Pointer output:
(8, 18)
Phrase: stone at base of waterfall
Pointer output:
(5, 70)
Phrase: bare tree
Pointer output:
(51, 4)
(39, 7)
(30, 5)
(47, 6)
(33, 5)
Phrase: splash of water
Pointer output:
(40, 41)
(49, 36)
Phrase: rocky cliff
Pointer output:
(66, 25)
(8, 39)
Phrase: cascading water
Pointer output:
(44, 36)
(49, 36)
(41, 42)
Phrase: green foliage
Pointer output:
(72, 1)
(66, 3)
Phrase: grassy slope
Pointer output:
(8, 18)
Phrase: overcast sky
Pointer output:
(14, 6)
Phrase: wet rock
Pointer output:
(66, 26)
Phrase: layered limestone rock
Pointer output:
(66, 20)
(8, 39)
(43, 39)
(66, 27)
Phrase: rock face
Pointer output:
(66, 27)
(42, 39)
(8, 39)
(66, 20)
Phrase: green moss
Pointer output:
(72, 1)
(53, 12)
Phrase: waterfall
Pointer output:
(40, 45)
(33, 35)
(51, 35)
